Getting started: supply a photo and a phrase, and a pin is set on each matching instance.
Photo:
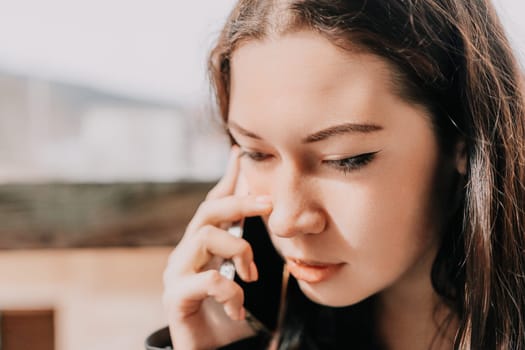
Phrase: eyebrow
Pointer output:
(336, 130)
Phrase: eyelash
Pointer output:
(255, 156)
(344, 165)
(352, 163)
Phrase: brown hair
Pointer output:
(451, 56)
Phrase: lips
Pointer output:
(311, 271)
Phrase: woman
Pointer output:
(382, 144)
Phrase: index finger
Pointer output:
(226, 185)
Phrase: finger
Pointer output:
(213, 242)
(226, 186)
(185, 301)
(229, 209)
(229, 294)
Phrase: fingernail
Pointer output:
(263, 201)
(254, 275)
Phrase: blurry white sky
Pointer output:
(148, 48)
(152, 48)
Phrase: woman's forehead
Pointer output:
(304, 73)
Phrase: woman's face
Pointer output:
(350, 166)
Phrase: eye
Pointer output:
(255, 156)
(352, 163)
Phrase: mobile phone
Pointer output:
(262, 298)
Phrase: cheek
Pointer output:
(387, 222)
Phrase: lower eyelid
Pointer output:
(255, 156)
(359, 160)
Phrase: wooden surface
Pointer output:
(27, 329)
(96, 215)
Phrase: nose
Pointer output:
(296, 210)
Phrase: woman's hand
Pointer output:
(205, 309)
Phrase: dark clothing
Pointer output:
(306, 325)
(308, 328)
(160, 340)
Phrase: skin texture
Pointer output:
(379, 220)
(363, 198)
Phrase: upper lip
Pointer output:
(311, 262)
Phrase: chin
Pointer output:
(329, 295)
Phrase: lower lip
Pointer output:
(312, 273)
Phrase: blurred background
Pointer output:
(108, 142)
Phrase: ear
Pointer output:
(460, 157)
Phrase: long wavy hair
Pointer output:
(451, 56)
